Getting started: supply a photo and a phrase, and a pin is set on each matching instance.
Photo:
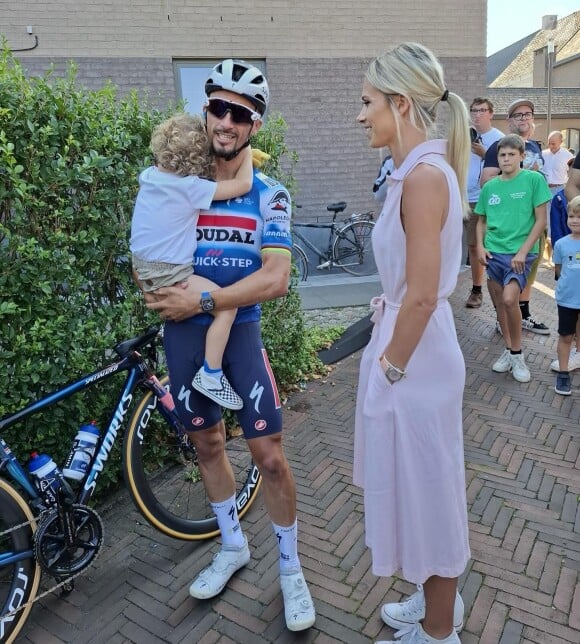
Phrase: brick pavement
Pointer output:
(522, 445)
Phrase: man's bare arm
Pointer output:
(265, 284)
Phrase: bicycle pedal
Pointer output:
(323, 265)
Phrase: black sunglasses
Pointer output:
(240, 113)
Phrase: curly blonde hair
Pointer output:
(181, 145)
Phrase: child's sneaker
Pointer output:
(529, 324)
(520, 370)
(573, 361)
(503, 364)
(220, 391)
(563, 384)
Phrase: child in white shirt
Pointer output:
(163, 230)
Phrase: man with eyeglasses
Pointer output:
(521, 121)
(244, 246)
(482, 136)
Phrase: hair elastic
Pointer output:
(445, 95)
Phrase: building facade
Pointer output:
(314, 53)
(529, 70)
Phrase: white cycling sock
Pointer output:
(226, 513)
(288, 544)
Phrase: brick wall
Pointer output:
(151, 77)
(256, 28)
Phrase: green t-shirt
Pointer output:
(508, 207)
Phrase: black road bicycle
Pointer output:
(349, 244)
(60, 534)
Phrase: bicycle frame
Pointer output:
(321, 254)
(139, 374)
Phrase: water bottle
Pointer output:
(83, 449)
(47, 475)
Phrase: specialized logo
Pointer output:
(280, 201)
(260, 425)
(494, 200)
(184, 394)
(197, 421)
(256, 395)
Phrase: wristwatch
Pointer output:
(392, 374)
(207, 302)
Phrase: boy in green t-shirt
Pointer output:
(513, 210)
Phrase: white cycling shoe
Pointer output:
(404, 614)
(213, 579)
(298, 606)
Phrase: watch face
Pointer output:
(207, 304)
(393, 375)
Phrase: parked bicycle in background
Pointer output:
(349, 244)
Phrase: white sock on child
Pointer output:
(211, 377)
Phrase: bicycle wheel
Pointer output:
(352, 248)
(301, 262)
(165, 484)
(19, 580)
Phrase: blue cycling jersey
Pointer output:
(233, 234)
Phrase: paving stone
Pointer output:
(522, 454)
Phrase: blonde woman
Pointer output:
(164, 230)
(408, 430)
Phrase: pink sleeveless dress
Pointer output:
(408, 452)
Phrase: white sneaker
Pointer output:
(213, 579)
(520, 370)
(298, 606)
(573, 361)
(412, 610)
(503, 364)
(415, 634)
(220, 391)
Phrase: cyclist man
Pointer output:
(244, 246)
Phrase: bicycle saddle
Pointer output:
(125, 347)
(336, 207)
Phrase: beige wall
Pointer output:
(567, 75)
(316, 52)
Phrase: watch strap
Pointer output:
(386, 365)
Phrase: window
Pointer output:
(572, 138)
(190, 77)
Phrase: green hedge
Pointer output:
(69, 161)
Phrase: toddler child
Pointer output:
(163, 230)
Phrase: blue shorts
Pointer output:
(246, 366)
(499, 269)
